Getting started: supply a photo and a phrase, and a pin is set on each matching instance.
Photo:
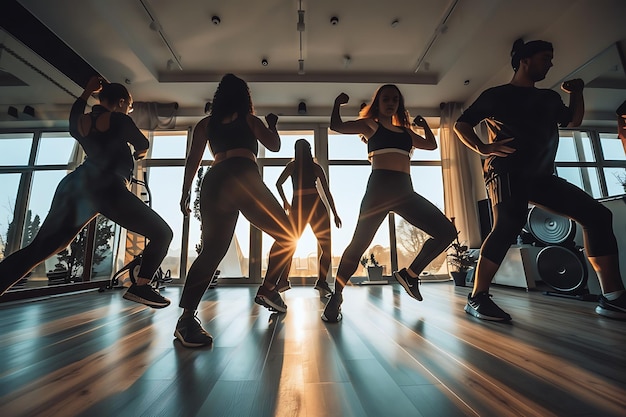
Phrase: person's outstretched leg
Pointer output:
(596, 220)
(509, 217)
(126, 209)
(320, 224)
(374, 208)
(257, 203)
(218, 229)
(69, 212)
(424, 215)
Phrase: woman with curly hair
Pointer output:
(233, 184)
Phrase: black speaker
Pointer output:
(563, 269)
(549, 229)
(561, 264)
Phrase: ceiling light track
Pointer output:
(441, 28)
(156, 26)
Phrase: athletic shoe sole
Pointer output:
(407, 287)
(612, 314)
(183, 342)
(473, 312)
(132, 297)
(267, 303)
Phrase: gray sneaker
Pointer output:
(615, 309)
(482, 307)
(190, 333)
(332, 311)
(410, 284)
(270, 299)
(145, 294)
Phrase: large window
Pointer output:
(592, 161)
(32, 164)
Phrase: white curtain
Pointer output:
(463, 182)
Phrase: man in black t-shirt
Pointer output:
(523, 124)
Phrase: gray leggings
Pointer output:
(393, 191)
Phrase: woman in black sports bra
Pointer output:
(307, 207)
(385, 126)
(233, 184)
(99, 185)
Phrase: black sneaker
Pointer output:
(283, 285)
(145, 294)
(324, 289)
(410, 284)
(615, 309)
(270, 299)
(191, 334)
(482, 307)
(332, 311)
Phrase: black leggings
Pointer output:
(510, 196)
(310, 209)
(79, 197)
(229, 187)
(393, 191)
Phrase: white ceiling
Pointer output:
(440, 51)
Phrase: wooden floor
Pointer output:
(95, 354)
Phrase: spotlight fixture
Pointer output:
(346, 60)
(155, 26)
(29, 111)
(395, 23)
(301, 67)
(264, 62)
(300, 25)
(170, 64)
(216, 20)
(363, 105)
(302, 107)
(127, 81)
(12, 111)
(466, 82)
(334, 20)
(207, 107)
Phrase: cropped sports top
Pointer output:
(387, 141)
(236, 134)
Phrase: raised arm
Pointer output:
(268, 136)
(428, 142)
(576, 101)
(360, 126)
(194, 157)
(281, 180)
(321, 175)
(78, 109)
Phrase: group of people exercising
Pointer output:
(523, 123)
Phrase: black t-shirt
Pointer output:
(528, 114)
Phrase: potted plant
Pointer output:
(461, 263)
(374, 270)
